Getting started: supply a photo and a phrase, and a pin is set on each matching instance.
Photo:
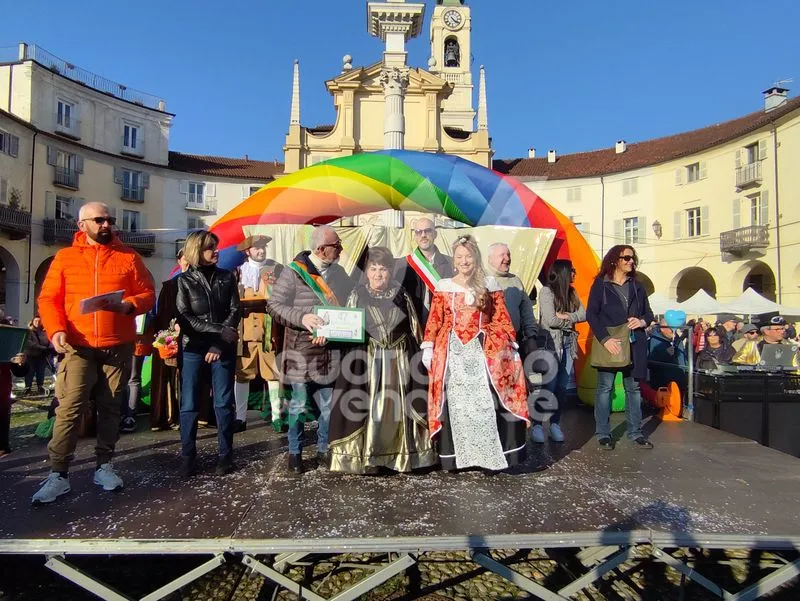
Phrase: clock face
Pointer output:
(452, 18)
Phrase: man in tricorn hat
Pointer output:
(259, 337)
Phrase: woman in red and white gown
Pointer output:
(477, 398)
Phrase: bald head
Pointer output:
(424, 234)
(95, 220)
(93, 209)
(325, 243)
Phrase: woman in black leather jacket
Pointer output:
(208, 314)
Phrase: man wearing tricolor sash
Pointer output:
(309, 364)
(419, 271)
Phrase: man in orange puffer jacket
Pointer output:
(97, 347)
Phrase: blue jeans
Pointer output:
(322, 396)
(602, 404)
(558, 384)
(222, 373)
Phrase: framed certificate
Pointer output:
(342, 324)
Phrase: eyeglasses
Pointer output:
(626, 258)
(751, 333)
(337, 245)
(427, 230)
(102, 220)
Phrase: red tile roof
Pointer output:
(224, 166)
(642, 154)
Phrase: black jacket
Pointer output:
(606, 310)
(413, 284)
(205, 309)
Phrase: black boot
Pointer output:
(188, 466)
(295, 463)
(324, 460)
(225, 465)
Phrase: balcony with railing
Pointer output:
(69, 127)
(748, 175)
(16, 224)
(132, 193)
(744, 239)
(143, 243)
(66, 178)
(59, 231)
(203, 205)
(87, 78)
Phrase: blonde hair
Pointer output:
(195, 244)
(476, 281)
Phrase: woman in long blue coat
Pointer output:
(617, 298)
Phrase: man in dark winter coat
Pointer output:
(309, 364)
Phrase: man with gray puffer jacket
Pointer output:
(307, 363)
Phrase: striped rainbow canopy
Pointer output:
(404, 180)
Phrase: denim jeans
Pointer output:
(322, 396)
(134, 387)
(36, 367)
(193, 376)
(558, 384)
(602, 404)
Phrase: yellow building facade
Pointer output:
(714, 209)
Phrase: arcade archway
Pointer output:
(689, 281)
(10, 284)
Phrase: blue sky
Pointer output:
(571, 75)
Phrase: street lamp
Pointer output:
(657, 229)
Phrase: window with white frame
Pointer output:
(65, 208)
(254, 189)
(580, 225)
(694, 225)
(751, 153)
(65, 114)
(693, 172)
(132, 188)
(131, 220)
(573, 194)
(630, 186)
(630, 229)
(131, 138)
(196, 193)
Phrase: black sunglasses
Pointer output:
(427, 230)
(102, 220)
(337, 245)
(626, 258)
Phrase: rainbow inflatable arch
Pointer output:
(407, 180)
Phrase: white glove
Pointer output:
(427, 357)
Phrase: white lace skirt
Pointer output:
(470, 405)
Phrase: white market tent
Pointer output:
(701, 303)
(752, 303)
(660, 304)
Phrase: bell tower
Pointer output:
(451, 52)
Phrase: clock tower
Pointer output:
(451, 28)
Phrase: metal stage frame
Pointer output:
(599, 553)
(588, 508)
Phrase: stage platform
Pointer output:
(699, 488)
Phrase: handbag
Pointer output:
(601, 358)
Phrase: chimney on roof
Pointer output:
(531, 153)
(621, 146)
(551, 156)
(162, 106)
(246, 158)
(774, 98)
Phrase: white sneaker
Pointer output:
(53, 487)
(106, 477)
(556, 435)
(537, 433)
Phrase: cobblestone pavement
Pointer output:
(437, 575)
